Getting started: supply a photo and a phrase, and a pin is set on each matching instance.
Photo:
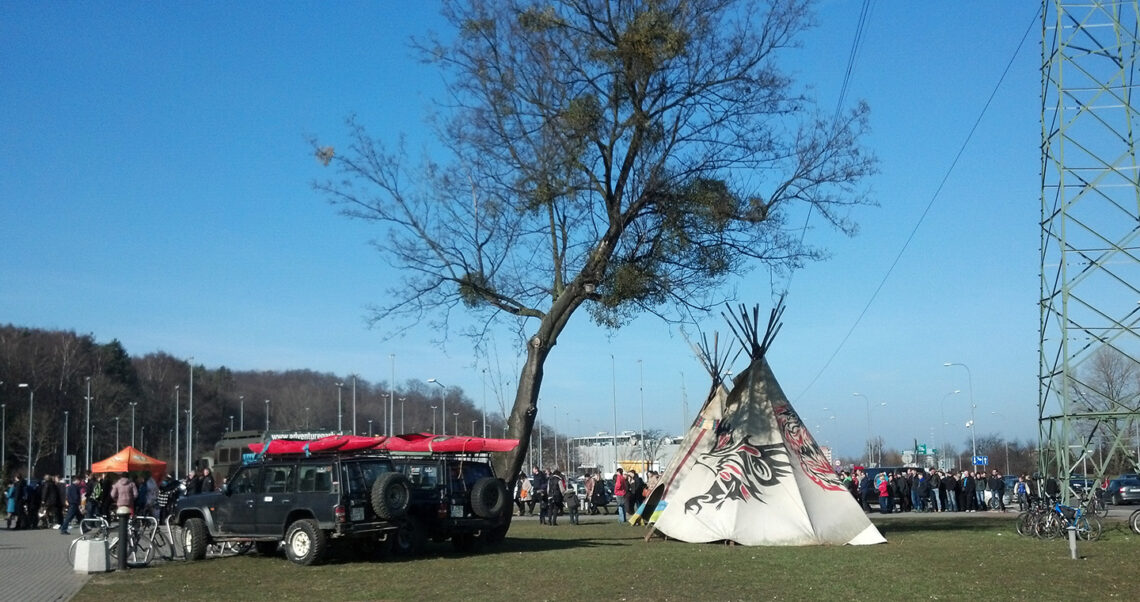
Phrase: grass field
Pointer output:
(927, 557)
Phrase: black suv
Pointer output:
(454, 497)
(306, 502)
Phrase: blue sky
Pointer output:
(154, 187)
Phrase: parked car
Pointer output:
(1124, 491)
(456, 497)
(309, 503)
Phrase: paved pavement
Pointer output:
(33, 565)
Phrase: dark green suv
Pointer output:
(309, 503)
(454, 497)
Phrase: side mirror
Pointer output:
(226, 489)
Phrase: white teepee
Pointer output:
(749, 471)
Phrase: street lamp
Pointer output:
(266, 416)
(369, 427)
(456, 423)
(973, 434)
(116, 434)
(339, 413)
(484, 404)
(473, 426)
(190, 419)
(231, 423)
(241, 412)
(31, 408)
(87, 424)
(443, 399)
(942, 429)
(402, 399)
(133, 404)
(63, 471)
(3, 435)
(177, 430)
(869, 444)
(433, 419)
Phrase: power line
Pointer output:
(929, 204)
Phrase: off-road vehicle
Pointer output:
(308, 503)
(453, 496)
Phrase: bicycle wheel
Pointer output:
(1088, 528)
(994, 503)
(1100, 508)
(1134, 521)
(1024, 523)
(140, 551)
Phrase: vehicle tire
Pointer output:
(266, 548)
(306, 543)
(466, 543)
(410, 539)
(194, 539)
(391, 494)
(496, 535)
(994, 503)
(489, 497)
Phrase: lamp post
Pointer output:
(177, 434)
(116, 433)
(868, 400)
(443, 402)
(942, 429)
(473, 426)
(3, 435)
(86, 426)
(133, 404)
(241, 412)
(973, 433)
(31, 416)
(63, 470)
(433, 419)
(339, 413)
(392, 399)
(402, 400)
(484, 404)
(354, 404)
(369, 427)
(266, 416)
(613, 382)
(190, 419)
(456, 423)
(231, 423)
(142, 437)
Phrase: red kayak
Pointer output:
(412, 442)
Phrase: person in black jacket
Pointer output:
(207, 480)
(950, 487)
(74, 495)
(997, 488)
(969, 488)
(52, 501)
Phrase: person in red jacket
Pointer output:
(621, 489)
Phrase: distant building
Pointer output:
(598, 453)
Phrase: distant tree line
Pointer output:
(60, 367)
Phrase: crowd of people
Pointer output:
(52, 502)
(553, 494)
(915, 490)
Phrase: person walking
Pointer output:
(555, 490)
(74, 493)
(969, 489)
(572, 504)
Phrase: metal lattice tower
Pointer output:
(1089, 387)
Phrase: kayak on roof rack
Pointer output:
(412, 442)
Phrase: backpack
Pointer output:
(98, 489)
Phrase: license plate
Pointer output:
(457, 512)
(1134, 490)
(357, 514)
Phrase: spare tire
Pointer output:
(489, 497)
(391, 494)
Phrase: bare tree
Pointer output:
(626, 156)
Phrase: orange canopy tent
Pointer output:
(130, 459)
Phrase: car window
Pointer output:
(470, 471)
(316, 478)
(243, 480)
(361, 475)
(422, 476)
(277, 479)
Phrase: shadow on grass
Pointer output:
(926, 525)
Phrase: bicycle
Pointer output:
(141, 532)
(1062, 517)
(1134, 521)
(96, 529)
(1094, 504)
